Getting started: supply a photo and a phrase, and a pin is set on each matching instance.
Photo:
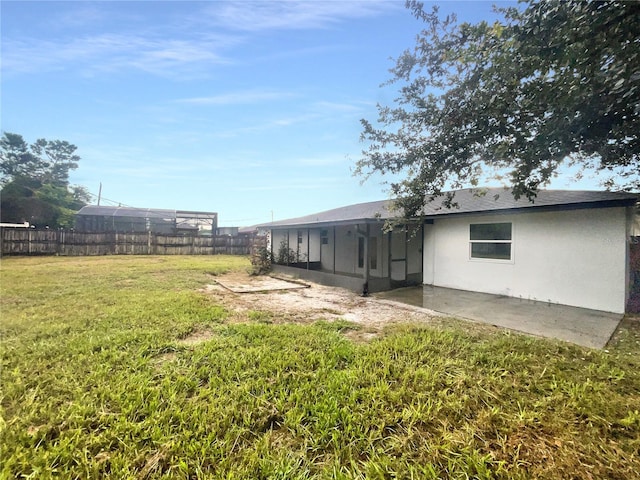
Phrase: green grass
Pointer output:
(97, 383)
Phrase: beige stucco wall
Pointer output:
(573, 257)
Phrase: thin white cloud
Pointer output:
(294, 184)
(260, 15)
(114, 52)
(330, 108)
(81, 15)
(182, 45)
(320, 161)
(239, 97)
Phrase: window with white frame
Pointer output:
(490, 241)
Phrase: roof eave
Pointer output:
(328, 223)
(621, 202)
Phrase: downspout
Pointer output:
(365, 287)
(628, 274)
(406, 254)
(308, 252)
(389, 256)
(334, 249)
(422, 254)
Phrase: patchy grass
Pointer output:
(117, 367)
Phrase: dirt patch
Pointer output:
(196, 338)
(165, 358)
(317, 302)
(258, 284)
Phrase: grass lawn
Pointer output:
(98, 382)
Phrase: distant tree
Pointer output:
(60, 158)
(554, 83)
(35, 182)
(17, 160)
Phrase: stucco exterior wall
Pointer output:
(575, 257)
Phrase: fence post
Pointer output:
(149, 243)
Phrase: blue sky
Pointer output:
(249, 109)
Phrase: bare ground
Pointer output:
(267, 299)
(305, 305)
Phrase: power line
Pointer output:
(114, 203)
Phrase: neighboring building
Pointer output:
(228, 231)
(567, 247)
(95, 218)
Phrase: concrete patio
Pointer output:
(589, 328)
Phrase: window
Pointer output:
(300, 233)
(490, 240)
(324, 237)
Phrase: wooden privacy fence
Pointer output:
(60, 242)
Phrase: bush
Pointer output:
(261, 261)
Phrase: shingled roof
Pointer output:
(466, 201)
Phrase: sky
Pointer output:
(246, 108)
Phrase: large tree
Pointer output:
(553, 84)
(35, 182)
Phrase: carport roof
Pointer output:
(466, 201)
(110, 211)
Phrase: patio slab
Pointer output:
(259, 284)
(589, 328)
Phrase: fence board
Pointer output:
(16, 241)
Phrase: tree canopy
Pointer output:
(552, 84)
(35, 182)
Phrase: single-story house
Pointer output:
(565, 247)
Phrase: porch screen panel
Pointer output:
(373, 253)
(315, 242)
(398, 255)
